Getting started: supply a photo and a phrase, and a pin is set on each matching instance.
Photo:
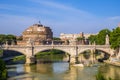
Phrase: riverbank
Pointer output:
(113, 63)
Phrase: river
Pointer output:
(61, 71)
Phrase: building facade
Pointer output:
(64, 36)
(80, 38)
(71, 39)
(36, 33)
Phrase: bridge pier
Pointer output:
(72, 60)
(92, 57)
(76, 60)
(30, 60)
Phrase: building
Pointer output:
(72, 38)
(37, 34)
(64, 36)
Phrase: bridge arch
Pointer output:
(105, 53)
(14, 50)
(13, 56)
(102, 50)
(83, 50)
(41, 50)
(57, 56)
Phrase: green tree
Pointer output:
(115, 38)
(100, 39)
(2, 38)
(56, 38)
(79, 38)
(92, 38)
(10, 38)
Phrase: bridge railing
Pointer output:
(21, 46)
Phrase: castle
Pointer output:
(36, 33)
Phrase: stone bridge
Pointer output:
(72, 50)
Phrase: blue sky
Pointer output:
(63, 16)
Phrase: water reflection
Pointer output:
(61, 71)
(110, 71)
(58, 68)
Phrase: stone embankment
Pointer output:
(114, 63)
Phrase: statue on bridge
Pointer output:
(107, 40)
(29, 42)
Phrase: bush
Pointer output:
(18, 58)
(99, 76)
(3, 70)
(1, 52)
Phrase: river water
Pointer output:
(61, 71)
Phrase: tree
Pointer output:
(99, 39)
(3, 70)
(80, 40)
(115, 38)
(92, 38)
(2, 38)
(10, 38)
(56, 38)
